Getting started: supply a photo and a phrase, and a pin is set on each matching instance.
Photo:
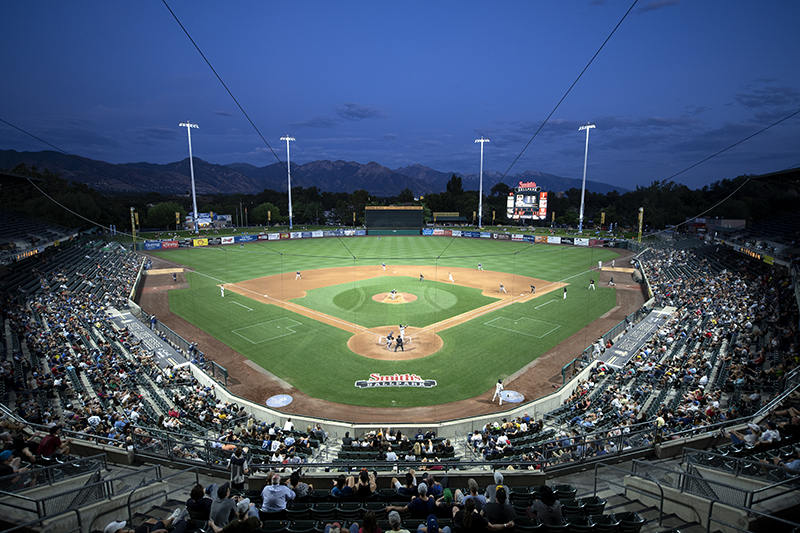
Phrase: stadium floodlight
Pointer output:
(480, 191)
(188, 125)
(586, 127)
(289, 170)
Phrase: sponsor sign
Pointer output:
(296, 235)
(169, 244)
(349, 232)
(427, 231)
(532, 238)
(285, 235)
(610, 244)
(553, 239)
(485, 235)
(263, 236)
(517, 237)
(456, 233)
(329, 233)
(273, 236)
(306, 235)
(228, 240)
(581, 242)
(317, 233)
(472, 234)
(199, 242)
(395, 380)
(438, 231)
(152, 245)
(246, 238)
(567, 240)
(595, 242)
(502, 236)
(361, 233)
(541, 238)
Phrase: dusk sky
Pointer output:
(411, 82)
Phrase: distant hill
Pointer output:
(210, 178)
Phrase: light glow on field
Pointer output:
(530, 327)
(267, 331)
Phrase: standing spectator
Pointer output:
(238, 466)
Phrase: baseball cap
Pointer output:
(113, 527)
(242, 507)
(5, 455)
(433, 524)
(394, 518)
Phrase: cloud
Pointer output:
(769, 97)
(72, 136)
(223, 113)
(317, 122)
(351, 111)
(658, 4)
(389, 137)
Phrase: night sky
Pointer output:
(411, 82)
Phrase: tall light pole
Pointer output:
(480, 192)
(188, 125)
(586, 127)
(289, 170)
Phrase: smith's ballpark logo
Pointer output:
(395, 380)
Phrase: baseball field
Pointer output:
(326, 329)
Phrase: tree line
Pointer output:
(664, 202)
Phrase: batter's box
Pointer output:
(530, 327)
(267, 331)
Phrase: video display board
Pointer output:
(527, 202)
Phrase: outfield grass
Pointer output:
(314, 357)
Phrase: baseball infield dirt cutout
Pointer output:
(371, 342)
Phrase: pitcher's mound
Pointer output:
(399, 297)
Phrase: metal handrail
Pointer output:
(29, 525)
(710, 518)
(635, 474)
(194, 469)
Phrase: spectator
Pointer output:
(472, 485)
(223, 508)
(343, 486)
(489, 494)
(275, 496)
(198, 506)
(301, 490)
(245, 521)
(237, 464)
(410, 488)
(499, 512)
(468, 520)
(51, 445)
(419, 507)
(366, 484)
(396, 523)
(547, 508)
(431, 525)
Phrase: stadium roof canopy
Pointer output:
(785, 178)
(12, 178)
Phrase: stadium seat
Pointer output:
(593, 505)
(629, 522)
(605, 523)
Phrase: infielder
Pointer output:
(533, 289)
(498, 391)
(421, 277)
(393, 294)
(298, 276)
(503, 289)
(450, 277)
(480, 266)
(222, 290)
(384, 266)
(591, 285)
(613, 262)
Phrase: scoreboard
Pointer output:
(527, 202)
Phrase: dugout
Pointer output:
(393, 220)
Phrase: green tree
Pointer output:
(162, 215)
(261, 214)
(454, 185)
(405, 196)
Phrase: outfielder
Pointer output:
(480, 266)
(533, 289)
(384, 266)
(565, 293)
(591, 285)
(498, 391)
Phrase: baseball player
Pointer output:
(599, 265)
(498, 391)
(565, 293)
(480, 266)
(174, 277)
(389, 340)
(613, 262)
(384, 266)
(591, 285)
(222, 290)
(241, 246)
(450, 277)
(402, 331)
(297, 275)
(503, 289)
(421, 277)
(533, 289)
(393, 294)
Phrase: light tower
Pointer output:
(289, 170)
(188, 125)
(480, 191)
(586, 127)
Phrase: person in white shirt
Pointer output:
(288, 426)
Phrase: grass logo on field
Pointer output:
(394, 380)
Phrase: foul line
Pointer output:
(237, 303)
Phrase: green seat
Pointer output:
(581, 524)
(593, 505)
(301, 526)
(605, 523)
(629, 522)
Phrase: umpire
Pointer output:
(399, 344)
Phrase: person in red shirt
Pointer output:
(52, 444)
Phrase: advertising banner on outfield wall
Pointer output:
(273, 236)
(317, 233)
(263, 236)
(349, 232)
(169, 244)
(579, 241)
(530, 238)
(567, 240)
(501, 236)
(456, 233)
(214, 241)
(306, 235)
(296, 235)
(553, 240)
(486, 235)
(471, 234)
(152, 245)
(517, 237)
(285, 236)
(595, 242)
(427, 231)
(361, 233)
(246, 238)
(199, 242)
(228, 240)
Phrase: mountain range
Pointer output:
(333, 176)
